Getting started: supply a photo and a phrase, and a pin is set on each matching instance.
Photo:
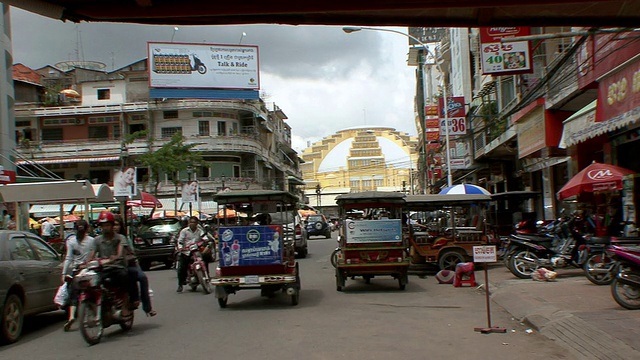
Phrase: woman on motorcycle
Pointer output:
(136, 275)
(79, 247)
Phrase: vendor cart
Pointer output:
(257, 250)
(372, 243)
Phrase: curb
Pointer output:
(581, 338)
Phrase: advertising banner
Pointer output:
(602, 53)
(182, 65)
(426, 34)
(373, 231)
(456, 116)
(124, 182)
(190, 191)
(250, 245)
(505, 58)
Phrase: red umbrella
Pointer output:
(146, 200)
(595, 177)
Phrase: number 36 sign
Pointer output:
(457, 126)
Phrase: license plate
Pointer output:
(158, 241)
(251, 279)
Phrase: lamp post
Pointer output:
(423, 64)
(175, 28)
(223, 178)
(189, 172)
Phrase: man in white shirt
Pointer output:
(188, 236)
(47, 230)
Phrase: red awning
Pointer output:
(146, 201)
(594, 178)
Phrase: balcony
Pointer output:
(31, 111)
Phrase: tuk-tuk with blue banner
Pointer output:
(256, 244)
(373, 243)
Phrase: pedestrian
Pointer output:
(11, 224)
(136, 275)
(5, 219)
(79, 246)
(47, 230)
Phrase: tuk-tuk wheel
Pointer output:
(403, 280)
(367, 279)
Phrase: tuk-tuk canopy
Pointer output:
(250, 196)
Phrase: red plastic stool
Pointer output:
(465, 275)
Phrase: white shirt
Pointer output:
(47, 228)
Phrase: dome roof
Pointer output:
(394, 155)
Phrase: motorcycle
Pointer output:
(197, 273)
(528, 253)
(625, 287)
(100, 303)
(596, 263)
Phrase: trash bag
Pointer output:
(543, 274)
(62, 295)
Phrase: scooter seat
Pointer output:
(532, 238)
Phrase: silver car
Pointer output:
(30, 273)
(292, 226)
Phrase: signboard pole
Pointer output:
(486, 254)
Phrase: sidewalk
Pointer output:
(577, 314)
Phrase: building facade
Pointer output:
(77, 129)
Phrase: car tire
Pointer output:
(11, 320)
(303, 252)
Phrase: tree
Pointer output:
(172, 157)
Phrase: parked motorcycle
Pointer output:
(625, 286)
(100, 303)
(197, 273)
(528, 252)
(597, 264)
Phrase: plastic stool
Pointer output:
(465, 275)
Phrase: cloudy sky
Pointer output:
(323, 79)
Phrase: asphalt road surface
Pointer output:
(366, 321)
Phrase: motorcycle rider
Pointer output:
(111, 246)
(187, 236)
(79, 247)
(136, 275)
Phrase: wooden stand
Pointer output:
(489, 329)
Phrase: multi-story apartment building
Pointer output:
(534, 131)
(72, 123)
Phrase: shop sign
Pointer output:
(431, 111)
(505, 58)
(7, 177)
(485, 254)
(602, 53)
(531, 133)
(433, 135)
(619, 95)
(426, 34)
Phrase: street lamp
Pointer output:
(223, 178)
(189, 172)
(175, 28)
(350, 29)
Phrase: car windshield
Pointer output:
(314, 218)
(165, 228)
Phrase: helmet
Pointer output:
(106, 217)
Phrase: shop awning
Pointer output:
(576, 126)
(295, 180)
(53, 192)
(43, 210)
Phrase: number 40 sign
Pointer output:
(484, 254)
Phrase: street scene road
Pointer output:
(366, 321)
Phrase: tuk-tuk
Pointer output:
(256, 245)
(371, 240)
(444, 228)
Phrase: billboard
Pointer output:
(183, 65)
(455, 116)
(190, 191)
(124, 182)
(250, 245)
(505, 58)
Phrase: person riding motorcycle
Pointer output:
(111, 246)
(189, 235)
(79, 248)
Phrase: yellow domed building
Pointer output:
(356, 159)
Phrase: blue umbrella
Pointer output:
(464, 189)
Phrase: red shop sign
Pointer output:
(7, 177)
(619, 94)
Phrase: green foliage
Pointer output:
(172, 157)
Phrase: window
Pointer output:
(104, 94)
(20, 250)
(167, 132)
(202, 114)
(116, 131)
(52, 134)
(98, 132)
(222, 128)
(203, 128)
(43, 251)
(170, 114)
